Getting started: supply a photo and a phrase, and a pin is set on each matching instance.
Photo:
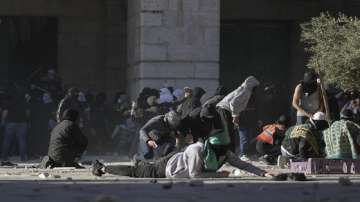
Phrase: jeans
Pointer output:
(301, 120)
(244, 134)
(20, 131)
(165, 146)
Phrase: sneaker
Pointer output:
(45, 163)
(283, 162)
(268, 160)
(244, 158)
(97, 169)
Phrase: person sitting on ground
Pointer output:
(341, 139)
(198, 160)
(157, 136)
(304, 141)
(269, 141)
(67, 142)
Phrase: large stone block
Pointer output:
(207, 53)
(155, 5)
(212, 35)
(154, 35)
(181, 52)
(207, 70)
(175, 4)
(210, 5)
(166, 70)
(150, 19)
(208, 18)
(190, 5)
(152, 52)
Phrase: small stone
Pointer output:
(36, 190)
(230, 185)
(345, 181)
(56, 176)
(167, 185)
(43, 175)
(196, 183)
(69, 178)
(104, 198)
(153, 181)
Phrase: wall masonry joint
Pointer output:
(152, 11)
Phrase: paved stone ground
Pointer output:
(24, 184)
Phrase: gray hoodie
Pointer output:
(236, 101)
(190, 164)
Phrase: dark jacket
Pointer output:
(155, 129)
(195, 125)
(67, 103)
(66, 142)
(192, 102)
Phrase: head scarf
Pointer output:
(165, 96)
(217, 138)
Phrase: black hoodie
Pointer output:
(67, 141)
(192, 102)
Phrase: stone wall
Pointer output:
(174, 42)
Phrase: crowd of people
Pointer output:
(176, 132)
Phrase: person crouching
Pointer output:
(268, 143)
(304, 141)
(67, 142)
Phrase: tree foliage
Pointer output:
(334, 45)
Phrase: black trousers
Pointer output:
(144, 169)
(226, 123)
(264, 148)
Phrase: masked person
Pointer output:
(342, 138)
(191, 102)
(268, 142)
(307, 99)
(304, 141)
(67, 142)
(199, 160)
(230, 107)
(157, 136)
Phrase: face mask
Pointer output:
(309, 88)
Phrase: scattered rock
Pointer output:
(104, 198)
(297, 176)
(153, 181)
(69, 178)
(196, 183)
(167, 185)
(230, 185)
(36, 190)
(56, 176)
(87, 163)
(345, 181)
(43, 175)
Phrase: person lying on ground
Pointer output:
(67, 143)
(198, 160)
(304, 141)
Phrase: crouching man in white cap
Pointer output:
(304, 141)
